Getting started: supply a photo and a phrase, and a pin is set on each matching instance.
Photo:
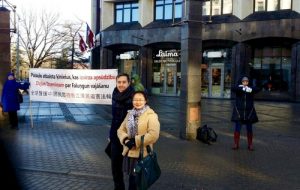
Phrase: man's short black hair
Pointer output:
(124, 75)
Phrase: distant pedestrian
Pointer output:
(10, 100)
(244, 112)
(141, 120)
(121, 103)
(136, 83)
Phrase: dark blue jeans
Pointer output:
(238, 127)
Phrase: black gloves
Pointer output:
(130, 143)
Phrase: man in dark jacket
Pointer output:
(244, 112)
(121, 103)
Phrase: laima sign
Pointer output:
(168, 53)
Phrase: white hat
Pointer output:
(245, 79)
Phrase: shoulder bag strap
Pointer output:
(142, 148)
(149, 150)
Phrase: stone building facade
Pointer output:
(258, 38)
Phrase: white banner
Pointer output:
(72, 86)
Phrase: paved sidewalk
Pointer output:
(65, 148)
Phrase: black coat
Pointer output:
(243, 110)
(121, 103)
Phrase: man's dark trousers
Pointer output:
(116, 165)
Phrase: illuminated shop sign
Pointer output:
(168, 57)
(214, 54)
(125, 56)
(169, 53)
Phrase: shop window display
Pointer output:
(216, 73)
(271, 69)
(166, 72)
(128, 62)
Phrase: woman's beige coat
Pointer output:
(148, 125)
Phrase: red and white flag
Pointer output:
(82, 45)
(89, 37)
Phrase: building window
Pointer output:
(126, 12)
(271, 69)
(217, 7)
(272, 5)
(168, 9)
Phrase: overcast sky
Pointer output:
(74, 10)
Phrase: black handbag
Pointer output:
(147, 170)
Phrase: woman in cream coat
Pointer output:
(141, 120)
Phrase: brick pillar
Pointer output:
(4, 47)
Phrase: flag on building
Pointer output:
(89, 37)
(82, 45)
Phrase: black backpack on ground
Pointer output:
(206, 134)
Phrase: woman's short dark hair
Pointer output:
(141, 92)
(124, 75)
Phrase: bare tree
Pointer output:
(14, 55)
(70, 49)
(41, 37)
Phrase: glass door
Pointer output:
(216, 82)
(204, 80)
(168, 75)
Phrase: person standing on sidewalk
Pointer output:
(244, 112)
(136, 83)
(10, 101)
(141, 120)
(121, 103)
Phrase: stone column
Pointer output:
(295, 72)
(241, 57)
(191, 55)
(5, 65)
(106, 58)
(146, 67)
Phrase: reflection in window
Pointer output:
(272, 5)
(271, 69)
(168, 9)
(285, 4)
(128, 62)
(217, 7)
(126, 12)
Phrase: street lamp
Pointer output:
(18, 51)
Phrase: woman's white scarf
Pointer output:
(133, 120)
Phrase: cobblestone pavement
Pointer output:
(61, 146)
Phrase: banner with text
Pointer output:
(72, 86)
